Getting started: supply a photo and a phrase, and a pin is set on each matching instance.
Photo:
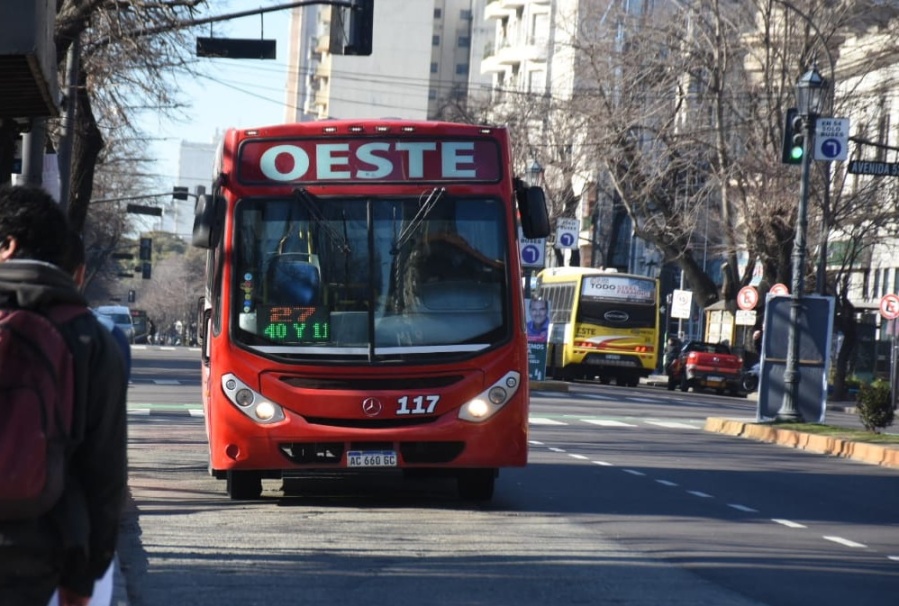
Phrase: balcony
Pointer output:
(322, 70)
(495, 10)
(491, 64)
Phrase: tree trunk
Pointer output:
(87, 146)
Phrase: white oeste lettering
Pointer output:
(325, 160)
(269, 167)
(383, 165)
(452, 157)
(416, 157)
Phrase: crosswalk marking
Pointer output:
(198, 412)
(608, 423)
(542, 421)
(672, 425)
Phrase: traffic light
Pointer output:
(794, 139)
(351, 28)
(131, 296)
(146, 249)
(146, 270)
(179, 192)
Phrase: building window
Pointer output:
(435, 40)
(876, 283)
(465, 15)
(464, 41)
(432, 94)
(433, 68)
(461, 68)
(438, 13)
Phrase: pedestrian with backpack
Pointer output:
(63, 467)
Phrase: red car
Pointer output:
(708, 365)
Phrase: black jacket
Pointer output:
(82, 529)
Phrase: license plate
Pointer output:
(613, 357)
(712, 379)
(371, 458)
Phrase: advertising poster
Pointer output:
(538, 331)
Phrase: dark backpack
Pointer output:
(37, 400)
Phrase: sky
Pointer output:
(232, 92)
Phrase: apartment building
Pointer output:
(420, 63)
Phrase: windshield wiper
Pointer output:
(423, 211)
(309, 203)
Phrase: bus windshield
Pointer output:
(370, 276)
(618, 302)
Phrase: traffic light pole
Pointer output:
(789, 410)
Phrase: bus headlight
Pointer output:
(491, 400)
(250, 402)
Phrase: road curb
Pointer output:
(874, 454)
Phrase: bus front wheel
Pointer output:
(244, 485)
(476, 484)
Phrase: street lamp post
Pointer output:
(809, 100)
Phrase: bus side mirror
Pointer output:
(207, 221)
(532, 209)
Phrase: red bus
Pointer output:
(363, 307)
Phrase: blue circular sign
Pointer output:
(566, 239)
(831, 148)
(530, 253)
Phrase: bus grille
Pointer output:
(372, 384)
(331, 453)
(370, 423)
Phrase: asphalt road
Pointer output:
(626, 500)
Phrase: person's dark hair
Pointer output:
(33, 218)
(74, 256)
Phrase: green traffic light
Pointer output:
(796, 153)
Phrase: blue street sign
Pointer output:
(831, 148)
(530, 254)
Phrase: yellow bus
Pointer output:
(603, 324)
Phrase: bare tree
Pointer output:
(116, 63)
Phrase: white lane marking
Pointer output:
(554, 449)
(589, 396)
(535, 443)
(633, 472)
(743, 508)
(672, 425)
(605, 423)
(845, 542)
(699, 494)
(542, 421)
(894, 558)
(604, 463)
(577, 456)
(166, 382)
(788, 523)
(666, 483)
(138, 411)
(196, 412)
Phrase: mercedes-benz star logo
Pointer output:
(371, 407)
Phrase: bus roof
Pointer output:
(562, 274)
(366, 126)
